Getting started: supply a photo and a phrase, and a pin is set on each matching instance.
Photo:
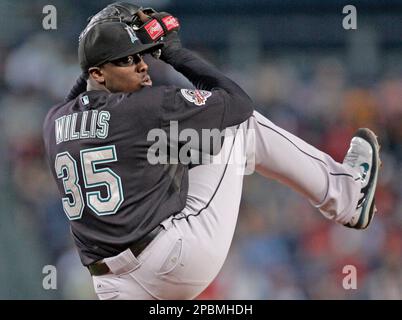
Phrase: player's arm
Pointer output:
(206, 77)
(79, 87)
(203, 75)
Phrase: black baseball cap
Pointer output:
(109, 41)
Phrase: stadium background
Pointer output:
(305, 72)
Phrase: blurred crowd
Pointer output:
(283, 248)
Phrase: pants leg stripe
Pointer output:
(306, 153)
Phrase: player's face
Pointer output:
(126, 75)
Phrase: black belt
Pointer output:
(101, 268)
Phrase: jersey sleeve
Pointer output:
(206, 77)
(198, 117)
(195, 109)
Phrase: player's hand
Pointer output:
(159, 27)
(149, 25)
(156, 26)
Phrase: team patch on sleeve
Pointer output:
(198, 97)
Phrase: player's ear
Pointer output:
(96, 73)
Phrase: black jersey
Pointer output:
(100, 147)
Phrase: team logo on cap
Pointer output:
(131, 33)
(198, 97)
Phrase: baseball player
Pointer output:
(162, 230)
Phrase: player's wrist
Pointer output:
(171, 48)
(79, 87)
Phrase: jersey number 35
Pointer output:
(66, 169)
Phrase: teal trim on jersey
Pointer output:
(60, 170)
(90, 196)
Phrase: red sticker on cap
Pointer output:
(154, 29)
(170, 22)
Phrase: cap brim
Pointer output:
(143, 48)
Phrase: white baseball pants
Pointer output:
(185, 257)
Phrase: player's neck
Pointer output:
(93, 85)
